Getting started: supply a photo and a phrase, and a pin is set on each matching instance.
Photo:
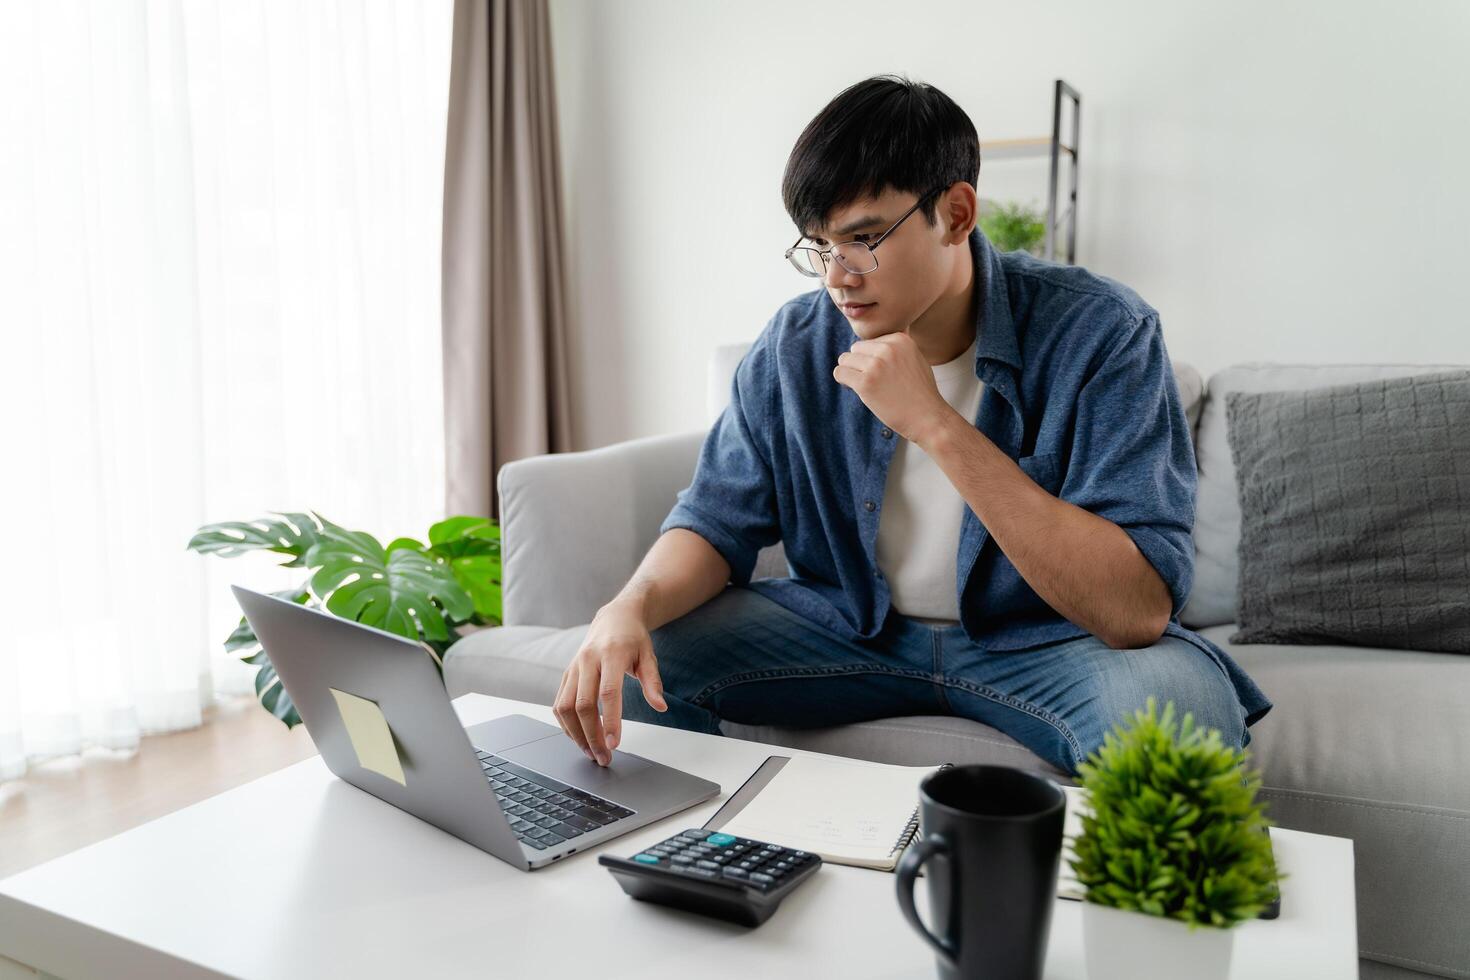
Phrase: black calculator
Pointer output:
(733, 878)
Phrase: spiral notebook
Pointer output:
(846, 811)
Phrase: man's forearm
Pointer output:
(1084, 566)
(681, 572)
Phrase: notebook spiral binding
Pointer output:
(906, 836)
(911, 829)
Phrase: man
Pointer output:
(979, 466)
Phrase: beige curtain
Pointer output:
(505, 349)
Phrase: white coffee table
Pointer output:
(298, 874)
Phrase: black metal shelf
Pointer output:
(1052, 147)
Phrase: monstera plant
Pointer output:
(427, 592)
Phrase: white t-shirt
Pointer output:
(919, 528)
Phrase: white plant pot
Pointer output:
(1133, 946)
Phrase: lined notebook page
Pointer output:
(849, 812)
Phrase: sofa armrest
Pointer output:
(574, 526)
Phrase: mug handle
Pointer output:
(923, 849)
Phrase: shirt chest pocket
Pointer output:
(1044, 469)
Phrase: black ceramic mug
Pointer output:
(994, 835)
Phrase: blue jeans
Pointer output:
(744, 658)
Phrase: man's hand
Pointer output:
(617, 643)
(895, 382)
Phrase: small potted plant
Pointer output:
(1173, 850)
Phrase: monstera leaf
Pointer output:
(471, 545)
(293, 535)
(418, 591)
(403, 591)
(268, 687)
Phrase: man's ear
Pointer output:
(959, 208)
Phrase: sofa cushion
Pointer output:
(1374, 744)
(1217, 509)
(1355, 518)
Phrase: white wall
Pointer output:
(1282, 181)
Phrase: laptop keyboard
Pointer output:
(542, 811)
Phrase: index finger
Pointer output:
(610, 694)
(587, 711)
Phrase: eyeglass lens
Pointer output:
(855, 257)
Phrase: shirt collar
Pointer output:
(994, 325)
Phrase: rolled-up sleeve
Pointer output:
(1132, 459)
(731, 502)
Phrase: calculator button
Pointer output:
(707, 864)
(646, 858)
(682, 859)
(736, 872)
(720, 840)
(762, 878)
(695, 834)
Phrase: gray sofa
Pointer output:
(1363, 743)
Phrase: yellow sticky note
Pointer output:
(370, 736)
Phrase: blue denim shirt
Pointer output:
(1078, 391)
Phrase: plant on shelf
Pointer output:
(428, 593)
(1011, 226)
(1172, 834)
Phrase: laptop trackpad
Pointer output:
(558, 757)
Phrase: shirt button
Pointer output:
(869, 505)
(885, 432)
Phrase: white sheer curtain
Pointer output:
(219, 296)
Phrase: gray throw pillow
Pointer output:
(1355, 504)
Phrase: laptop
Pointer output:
(515, 787)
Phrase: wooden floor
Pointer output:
(65, 804)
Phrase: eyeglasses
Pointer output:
(855, 257)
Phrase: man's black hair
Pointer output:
(884, 131)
